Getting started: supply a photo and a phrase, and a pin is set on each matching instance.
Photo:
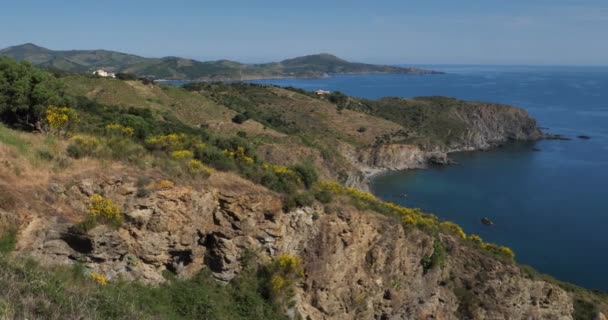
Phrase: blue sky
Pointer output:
(401, 31)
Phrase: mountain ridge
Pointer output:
(178, 68)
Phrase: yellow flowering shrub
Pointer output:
(360, 298)
(104, 209)
(412, 217)
(278, 283)
(475, 239)
(498, 250)
(453, 228)
(120, 130)
(60, 119)
(282, 171)
(286, 270)
(197, 167)
(88, 144)
(290, 264)
(239, 154)
(408, 216)
(181, 154)
(502, 251)
(99, 278)
(169, 142)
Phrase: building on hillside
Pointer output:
(103, 73)
(322, 92)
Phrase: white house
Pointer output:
(103, 73)
(322, 92)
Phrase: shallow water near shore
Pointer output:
(548, 199)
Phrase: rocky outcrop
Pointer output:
(358, 265)
(487, 126)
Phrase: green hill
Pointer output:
(176, 68)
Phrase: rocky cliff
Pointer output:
(358, 264)
(482, 127)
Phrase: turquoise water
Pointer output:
(549, 205)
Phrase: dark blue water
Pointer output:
(550, 206)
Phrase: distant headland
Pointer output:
(176, 68)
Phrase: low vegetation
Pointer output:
(33, 292)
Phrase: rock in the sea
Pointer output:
(584, 137)
(556, 137)
(486, 221)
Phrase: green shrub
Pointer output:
(282, 274)
(125, 76)
(436, 259)
(75, 151)
(216, 159)
(25, 93)
(324, 196)
(584, 310)
(119, 148)
(82, 146)
(300, 199)
(241, 118)
(31, 292)
(308, 174)
(45, 155)
(8, 240)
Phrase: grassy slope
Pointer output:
(289, 125)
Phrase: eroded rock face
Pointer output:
(358, 265)
(487, 126)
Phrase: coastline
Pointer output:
(277, 77)
(437, 158)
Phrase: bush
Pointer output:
(25, 92)
(60, 120)
(82, 146)
(500, 251)
(452, 228)
(307, 173)
(118, 148)
(436, 259)
(118, 130)
(8, 240)
(126, 76)
(75, 151)
(323, 196)
(301, 199)
(103, 210)
(195, 167)
(240, 118)
(284, 272)
(216, 159)
(584, 309)
(339, 99)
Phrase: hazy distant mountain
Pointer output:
(176, 68)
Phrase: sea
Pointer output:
(548, 199)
